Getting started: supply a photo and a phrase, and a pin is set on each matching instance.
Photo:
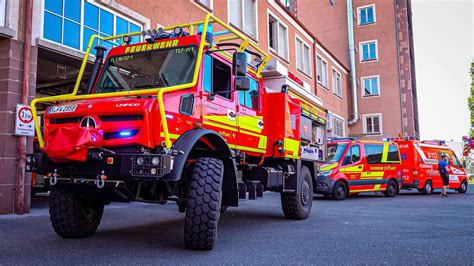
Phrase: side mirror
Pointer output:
(239, 64)
(241, 83)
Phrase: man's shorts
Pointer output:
(445, 178)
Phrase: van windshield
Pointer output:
(150, 69)
(335, 152)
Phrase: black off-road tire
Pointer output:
(298, 206)
(463, 187)
(203, 206)
(72, 217)
(341, 191)
(427, 188)
(392, 189)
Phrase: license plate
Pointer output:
(62, 109)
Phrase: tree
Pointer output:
(470, 101)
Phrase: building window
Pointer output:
(366, 15)
(370, 86)
(368, 51)
(373, 124)
(243, 15)
(205, 3)
(338, 127)
(322, 71)
(3, 12)
(278, 37)
(64, 21)
(336, 83)
(302, 57)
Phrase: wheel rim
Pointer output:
(88, 211)
(305, 193)
(463, 186)
(428, 187)
(391, 189)
(341, 191)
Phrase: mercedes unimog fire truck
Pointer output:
(183, 117)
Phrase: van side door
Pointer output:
(351, 166)
(373, 173)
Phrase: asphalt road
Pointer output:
(367, 229)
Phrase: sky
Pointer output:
(443, 33)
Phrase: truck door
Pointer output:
(218, 100)
(250, 120)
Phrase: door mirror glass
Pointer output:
(242, 84)
(239, 64)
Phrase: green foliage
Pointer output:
(470, 101)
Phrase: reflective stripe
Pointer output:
(293, 146)
(172, 136)
(219, 126)
(385, 153)
(356, 168)
(238, 147)
(372, 174)
(329, 167)
(221, 119)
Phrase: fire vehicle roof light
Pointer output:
(127, 39)
(209, 32)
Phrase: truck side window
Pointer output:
(216, 77)
(250, 98)
(373, 153)
(455, 161)
(393, 154)
(353, 155)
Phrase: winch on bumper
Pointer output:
(122, 166)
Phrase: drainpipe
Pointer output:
(398, 65)
(21, 146)
(350, 30)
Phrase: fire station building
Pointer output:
(360, 74)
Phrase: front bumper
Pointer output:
(324, 184)
(119, 165)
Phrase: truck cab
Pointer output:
(360, 166)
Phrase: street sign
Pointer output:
(24, 125)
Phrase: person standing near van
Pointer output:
(443, 168)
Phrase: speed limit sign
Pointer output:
(24, 125)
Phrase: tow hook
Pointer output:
(100, 182)
(53, 180)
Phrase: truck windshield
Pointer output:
(335, 151)
(150, 69)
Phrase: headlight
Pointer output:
(153, 171)
(140, 160)
(325, 173)
(155, 161)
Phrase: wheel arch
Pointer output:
(187, 146)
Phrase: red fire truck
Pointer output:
(181, 117)
(360, 166)
(420, 166)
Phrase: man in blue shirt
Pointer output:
(443, 168)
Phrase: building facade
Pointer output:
(384, 59)
(307, 41)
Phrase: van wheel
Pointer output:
(203, 206)
(340, 191)
(391, 190)
(463, 188)
(72, 217)
(427, 188)
(298, 206)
